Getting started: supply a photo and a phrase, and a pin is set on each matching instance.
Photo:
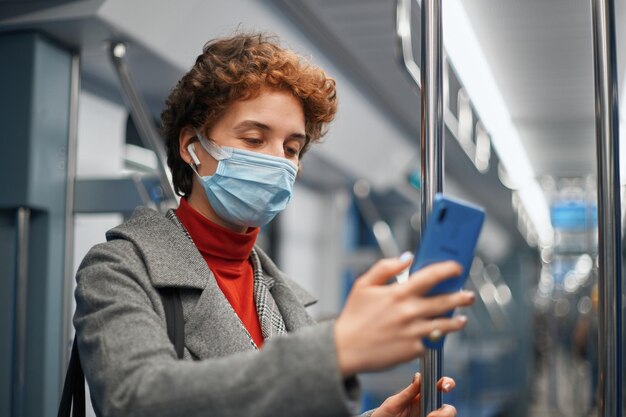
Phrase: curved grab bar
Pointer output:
(405, 41)
(379, 228)
(141, 116)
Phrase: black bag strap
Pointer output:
(73, 396)
(174, 318)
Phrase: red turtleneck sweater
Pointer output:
(227, 254)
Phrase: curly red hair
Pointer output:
(237, 68)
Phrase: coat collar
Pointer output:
(165, 249)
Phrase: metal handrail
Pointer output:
(485, 286)
(68, 256)
(430, 80)
(20, 310)
(141, 116)
(609, 228)
(405, 40)
(380, 228)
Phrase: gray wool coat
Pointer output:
(131, 365)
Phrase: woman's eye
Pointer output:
(253, 141)
(292, 151)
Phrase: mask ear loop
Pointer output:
(217, 152)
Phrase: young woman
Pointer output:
(236, 128)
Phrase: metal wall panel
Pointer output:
(35, 107)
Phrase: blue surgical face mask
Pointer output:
(248, 188)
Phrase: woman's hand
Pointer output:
(406, 403)
(383, 325)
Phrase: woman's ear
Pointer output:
(185, 138)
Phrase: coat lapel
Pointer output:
(290, 298)
(291, 308)
(213, 329)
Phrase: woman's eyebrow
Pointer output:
(253, 124)
(298, 136)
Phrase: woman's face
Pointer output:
(271, 123)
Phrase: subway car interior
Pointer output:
(514, 106)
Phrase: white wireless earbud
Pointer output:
(191, 149)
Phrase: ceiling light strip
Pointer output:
(471, 66)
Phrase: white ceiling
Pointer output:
(540, 53)
(359, 36)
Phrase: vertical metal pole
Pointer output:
(69, 216)
(609, 221)
(432, 126)
(21, 290)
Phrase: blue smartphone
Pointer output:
(451, 233)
